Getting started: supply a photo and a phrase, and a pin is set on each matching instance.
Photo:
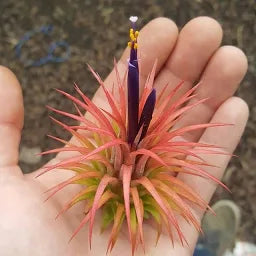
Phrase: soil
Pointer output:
(91, 28)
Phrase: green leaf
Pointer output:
(82, 168)
(147, 199)
(84, 197)
(153, 172)
(146, 215)
(97, 139)
(133, 219)
(98, 166)
(153, 211)
(88, 181)
(108, 214)
(116, 128)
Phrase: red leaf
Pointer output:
(82, 223)
(75, 117)
(138, 205)
(169, 118)
(75, 148)
(164, 104)
(72, 201)
(147, 88)
(118, 220)
(180, 151)
(72, 180)
(105, 197)
(84, 157)
(149, 153)
(184, 190)
(111, 101)
(190, 128)
(160, 96)
(198, 170)
(144, 181)
(95, 111)
(127, 173)
(178, 201)
(101, 187)
(82, 139)
(94, 129)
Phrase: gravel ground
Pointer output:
(89, 26)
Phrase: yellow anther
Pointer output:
(132, 37)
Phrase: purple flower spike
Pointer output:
(133, 102)
(133, 84)
(147, 113)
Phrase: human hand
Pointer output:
(27, 225)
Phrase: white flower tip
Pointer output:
(133, 19)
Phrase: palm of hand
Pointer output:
(27, 225)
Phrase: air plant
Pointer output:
(127, 159)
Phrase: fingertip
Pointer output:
(156, 41)
(206, 25)
(240, 110)
(234, 61)
(197, 42)
(11, 100)
(7, 76)
(223, 74)
(234, 110)
(164, 24)
(158, 33)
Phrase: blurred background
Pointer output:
(95, 31)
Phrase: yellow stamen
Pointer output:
(133, 39)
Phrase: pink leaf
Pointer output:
(144, 181)
(72, 180)
(178, 201)
(138, 205)
(149, 153)
(118, 219)
(127, 173)
(95, 111)
(198, 170)
(84, 157)
(101, 187)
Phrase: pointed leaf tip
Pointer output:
(127, 172)
(101, 187)
(147, 113)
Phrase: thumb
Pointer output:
(11, 118)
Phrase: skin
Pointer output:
(27, 225)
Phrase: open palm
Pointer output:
(28, 226)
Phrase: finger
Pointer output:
(220, 80)
(234, 111)
(197, 42)
(160, 34)
(11, 117)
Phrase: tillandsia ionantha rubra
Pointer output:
(128, 158)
